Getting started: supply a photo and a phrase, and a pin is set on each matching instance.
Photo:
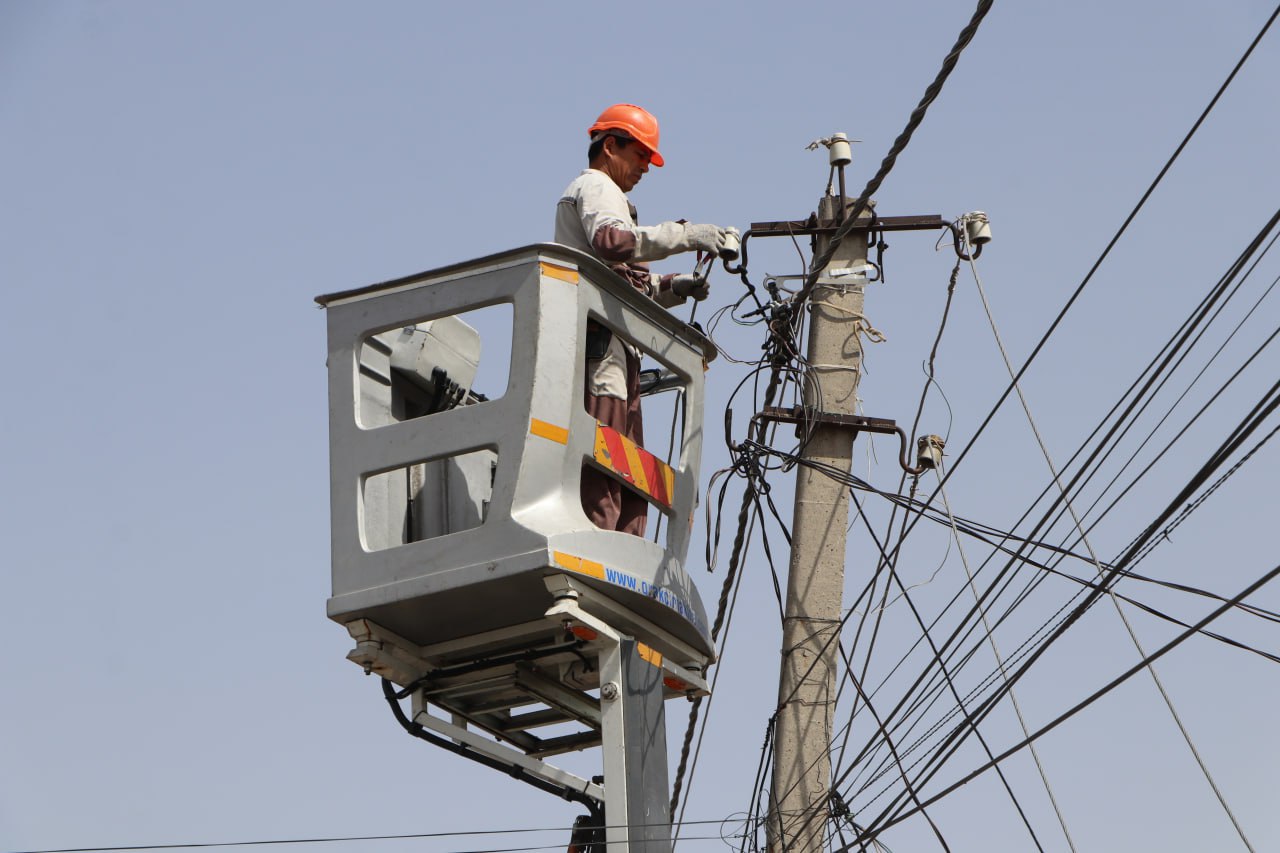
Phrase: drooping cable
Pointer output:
(899, 145)
(1124, 226)
(1265, 407)
(1084, 538)
(1167, 355)
(1013, 697)
(1089, 700)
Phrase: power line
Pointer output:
(1185, 332)
(1262, 410)
(1093, 697)
(1079, 525)
(1115, 239)
(475, 833)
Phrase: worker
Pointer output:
(595, 216)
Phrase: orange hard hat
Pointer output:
(638, 123)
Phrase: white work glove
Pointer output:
(655, 242)
(705, 238)
(686, 285)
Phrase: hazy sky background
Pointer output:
(179, 180)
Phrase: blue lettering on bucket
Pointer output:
(661, 594)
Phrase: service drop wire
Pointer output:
(1089, 700)
(1116, 238)
(1246, 428)
(1084, 539)
(1263, 409)
(1158, 365)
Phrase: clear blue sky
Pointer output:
(178, 180)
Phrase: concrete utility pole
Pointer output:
(806, 692)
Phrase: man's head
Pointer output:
(624, 143)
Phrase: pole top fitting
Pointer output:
(839, 153)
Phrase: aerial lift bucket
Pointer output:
(463, 563)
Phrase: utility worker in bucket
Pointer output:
(595, 216)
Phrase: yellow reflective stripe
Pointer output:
(542, 429)
(649, 654)
(562, 273)
(579, 565)
(602, 450)
(637, 467)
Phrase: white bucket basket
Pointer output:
(444, 525)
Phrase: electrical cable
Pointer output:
(816, 265)
(949, 683)
(696, 705)
(1024, 365)
(1079, 525)
(1116, 238)
(899, 145)
(915, 425)
(995, 650)
(1203, 369)
(1252, 451)
(1263, 409)
(1024, 516)
(1095, 696)
(190, 845)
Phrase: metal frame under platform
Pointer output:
(571, 671)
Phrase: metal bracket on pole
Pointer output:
(805, 418)
(814, 226)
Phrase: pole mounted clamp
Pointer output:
(806, 418)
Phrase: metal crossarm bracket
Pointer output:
(799, 227)
(809, 417)
(805, 418)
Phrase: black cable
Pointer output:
(1111, 244)
(1263, 409)
(897, 548)
(191, 845)
(1184, 334)
(757, 787)
(1093, 697)
(1209, 633)
(1224, 639)
(1194, 505)
(899, 145)
(1169, 444)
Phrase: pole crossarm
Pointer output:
(806, 417)
(826, 227)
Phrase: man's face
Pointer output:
(625, 164)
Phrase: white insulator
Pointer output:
(977, 227)
(732, 244)
(839, 152)
(929, 452)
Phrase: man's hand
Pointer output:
(706, 238)
(687, 285)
